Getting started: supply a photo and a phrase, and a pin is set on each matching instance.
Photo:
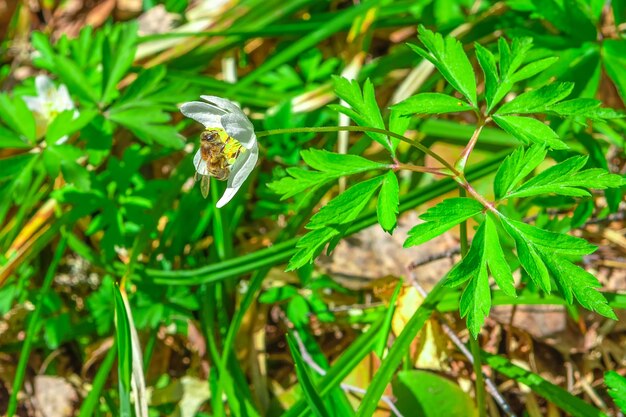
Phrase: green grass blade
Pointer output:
(349, 359)
(93, 398)
(341, 21)
(560, 397)
(124, 352)
(384, 334)
(315, 402)
(397, 352)
(33, 328)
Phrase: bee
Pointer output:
(212, 153)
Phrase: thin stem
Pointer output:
(462, 161)
(358, 129)
(416, 168)
(478, 372)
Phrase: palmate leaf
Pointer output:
(441, 218)
(328, 165)
(568, 178)
(485, 256)
(543, 254)
(447, 55)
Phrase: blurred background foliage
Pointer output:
(115, 203)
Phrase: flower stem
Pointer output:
(416, 168)
(358, 129)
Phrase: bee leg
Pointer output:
(205, 183)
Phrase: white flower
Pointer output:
(48, 103)
(219, 113)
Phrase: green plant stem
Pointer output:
(422, 169)
(462, 161)
(359, 129)
(474, 346)
(33, 327)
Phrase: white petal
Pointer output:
(223, 103)
(203, 113)
(45, 87)
(63, 101)
(239, 127)
(199, 164)
(61, 140)
(228, 195)
(240, 171)
(33, 103)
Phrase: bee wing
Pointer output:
(205, 183)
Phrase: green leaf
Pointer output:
(541, 251)
(118, 54)
(388, 201)
(552, 393)
(278, 294)
(364, 108)
(75, 79)
(433, 395)
(529, 257)
(398, 351)
(349, 359)
(614, 59)
(430, 103)
(568, 16)
(329, 166)
(65, 124)
(331, 222)
(347, 206)
(311, 245)
(527, 130)
(17, 116)
(537, 101)
(124, 352)
(441, 218)
(498, 266)
(11, 166)
(383, 336)
(532, 69)
(316, 404)
(485, 252)
(516, 167)
(617, 388)
(511, 57)
(475, 301)
(575, 282)
(150, 125)
(487, 62)
(584, 107)
(448, 57)
(12, 140)
(566, 178)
